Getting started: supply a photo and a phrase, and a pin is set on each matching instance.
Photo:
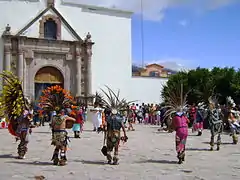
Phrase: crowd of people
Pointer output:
(111, 115)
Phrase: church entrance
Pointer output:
(46, 77)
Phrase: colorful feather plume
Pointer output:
(12, 98)
(55, 98)
(111, 100)
(175, 101)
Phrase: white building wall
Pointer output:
(111, 60)
(146, 89)
(18, 13)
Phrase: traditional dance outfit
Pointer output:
(175, 105)
(215, 123)
(233, 123)
(55, 98)
(59, 140)
(113, 124)
(180, 125)
(198, 122)
(23, 132)
(17, 109)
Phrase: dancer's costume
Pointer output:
(114, 123)
(232, 120)
(176, 103)
(55, 98)
(215, 122)
(192, 115)
(17, 109)
(130, 118)
(198, 122)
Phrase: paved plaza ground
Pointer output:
(148, 155)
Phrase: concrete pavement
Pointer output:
(148, 155)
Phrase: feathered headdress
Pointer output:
(112, 100)
(201, 105)
(175, 101)
(55, 98)
(12, 100)
(230, 102)
(99, 99)
(213, 101)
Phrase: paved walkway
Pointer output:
(149, 155)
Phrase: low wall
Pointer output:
(146, 89)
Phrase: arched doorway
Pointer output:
(46, 77)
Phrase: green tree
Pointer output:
(202, 83)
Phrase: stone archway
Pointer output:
(46, 77)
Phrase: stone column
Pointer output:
(20, 64)
(78, 72)
(88, 47)
(7, 57)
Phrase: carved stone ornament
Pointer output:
(7, 48)
(69, 56)
(29, 54)
(7, 30)
(50, 3)
(78, 52)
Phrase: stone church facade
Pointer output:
(48, 60)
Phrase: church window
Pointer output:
(50, 29)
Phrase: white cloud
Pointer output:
(183, 23)
(154, 9)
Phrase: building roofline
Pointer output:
(98, 8)
(154, 64)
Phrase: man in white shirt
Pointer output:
(96, 116)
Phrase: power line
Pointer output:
(142, 34)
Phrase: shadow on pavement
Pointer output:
(197, 149)
(6, 156)
(91, 162)
(39, 132)
(156, 161)
(37, 163)
(224, 143)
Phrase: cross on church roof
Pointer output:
(50, 3)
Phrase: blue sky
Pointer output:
(191, 38)
(192, 33)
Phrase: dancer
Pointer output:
(233, 123)
(175, 102)
(55, 98)
(130, 118)
(180, 125)
(18, 111)
(215, 122)
(114, 123)
(198, 122)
